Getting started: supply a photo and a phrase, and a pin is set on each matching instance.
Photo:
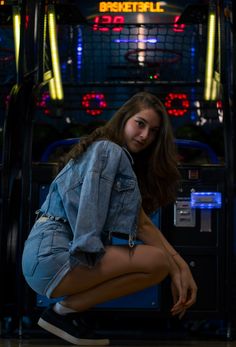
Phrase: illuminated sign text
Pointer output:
(130, 6)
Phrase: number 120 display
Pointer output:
(112, 23)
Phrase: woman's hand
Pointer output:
(188, 288)
(183, 286)
(178, 307)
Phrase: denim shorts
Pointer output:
(46, 258)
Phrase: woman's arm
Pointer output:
(151, 235)
(186, 289)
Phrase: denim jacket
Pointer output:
(97, 194)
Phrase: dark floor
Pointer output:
(56, 342)
(127, 330)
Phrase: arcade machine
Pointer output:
(88, 59)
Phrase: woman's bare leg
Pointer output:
(112, 289)
(120, 272)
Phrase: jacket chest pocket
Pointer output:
(123, 190)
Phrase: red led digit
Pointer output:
(102, 20)
(96, 20)
(105, 20)
(178, 28)
(118, 20)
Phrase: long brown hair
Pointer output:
(156, 166)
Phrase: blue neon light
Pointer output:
(79, 53)
(151, 40)
(206, 200)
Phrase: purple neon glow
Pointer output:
(151, 40)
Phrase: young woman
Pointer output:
(112, 181)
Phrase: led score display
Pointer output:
(111, 21)
(108, 20)
(116, 23)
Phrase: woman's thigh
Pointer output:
(117, 261)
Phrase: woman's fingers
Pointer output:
(184, 296)
(184, 291)
(192, 296)
(177, 298)
(189, 288)
(180, 308)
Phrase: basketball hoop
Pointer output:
(152, 57)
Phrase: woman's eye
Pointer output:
(140, 123)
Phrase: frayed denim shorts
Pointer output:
(46, 259)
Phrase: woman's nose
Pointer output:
(145, 133)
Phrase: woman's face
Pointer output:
(141, 130)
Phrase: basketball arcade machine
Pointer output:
(143, 46)
(122, 48)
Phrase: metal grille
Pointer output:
(147, 52)
(114, 65)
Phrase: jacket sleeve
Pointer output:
(93, 199)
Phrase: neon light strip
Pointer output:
(55, 54)
(141, 44)
(136, 40)
(210, 56)
(79, 52)
(16, 30)
(48, 76)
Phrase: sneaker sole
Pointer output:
(65, 336)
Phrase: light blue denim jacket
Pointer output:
(97, 194)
